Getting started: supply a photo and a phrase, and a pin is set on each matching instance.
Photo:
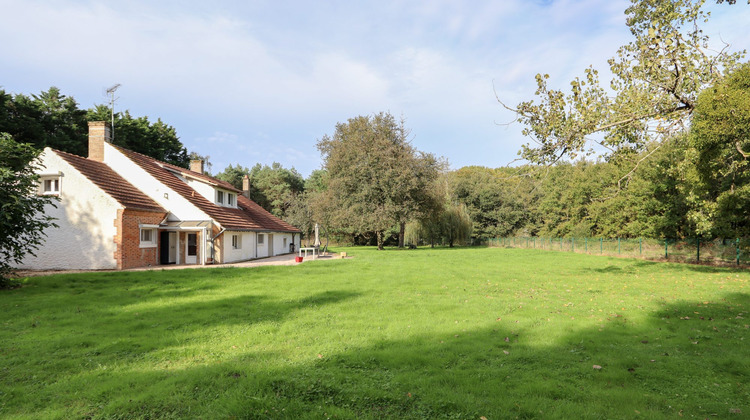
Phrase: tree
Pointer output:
(233, 175)
(376, 179)
(720, 134)
(499, 201)
(22, 222)
(452, 224)
(657, 78)
(48, 119)
(273, 187)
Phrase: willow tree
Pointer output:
(376, 178)
(656, 81)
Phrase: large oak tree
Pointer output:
(376, 178)
(657, 79)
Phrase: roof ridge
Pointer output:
(187, 171)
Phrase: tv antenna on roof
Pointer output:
(112, 99)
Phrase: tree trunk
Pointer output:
(379, 235)
(401, 232)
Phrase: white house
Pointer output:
(120, 209)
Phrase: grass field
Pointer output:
(444, 333)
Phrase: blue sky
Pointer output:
(261, 81)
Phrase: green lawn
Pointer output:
(429, 333)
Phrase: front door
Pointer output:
(192, 249)
(270, 245)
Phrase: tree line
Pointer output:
(52, 119)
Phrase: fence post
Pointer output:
(698, 249)
(573, 244)
(666, 249)
(586, 244)
(561, 243)
(601, 245)
(640, 246)
(618, 246)
(737, 247)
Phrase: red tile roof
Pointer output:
(112, 183)
(249, 215)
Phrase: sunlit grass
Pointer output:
(428, 333)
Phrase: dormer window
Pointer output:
(50, 185)
(225, 198)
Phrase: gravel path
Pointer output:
(286, 259)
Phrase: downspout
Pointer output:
(213, 246)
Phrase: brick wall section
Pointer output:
(129, 253)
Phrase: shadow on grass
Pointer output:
(85, 330)
(686, 359)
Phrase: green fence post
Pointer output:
(698, 249)
(586, 241)
(560, 244)
(618, 246)
(737, 247)
(573, 244)
(601, 245)
(666, 249)
(640, 246)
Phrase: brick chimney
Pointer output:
(196, 165)
(246, 186)
(99, 133)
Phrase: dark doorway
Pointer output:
(164, 247)
(168, 247)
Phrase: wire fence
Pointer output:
(697, 250)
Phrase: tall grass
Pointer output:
(428, 333)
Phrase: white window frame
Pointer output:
(261, 238)
(230, 199)
(54, 182)
(236, 241)
(147, 231)
(220, 197)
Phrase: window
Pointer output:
(51, 186)
(148, 237)
(261, 238)
(220, 197)
(230, 199)
(236, 241)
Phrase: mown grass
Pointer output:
(428, 333)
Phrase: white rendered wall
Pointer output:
(247, 252)
(262, 249)
(278, 243)
(176, 204)
(207, 191)
(86, 218)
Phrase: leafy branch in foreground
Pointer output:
(657, 79)
(22, 222)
